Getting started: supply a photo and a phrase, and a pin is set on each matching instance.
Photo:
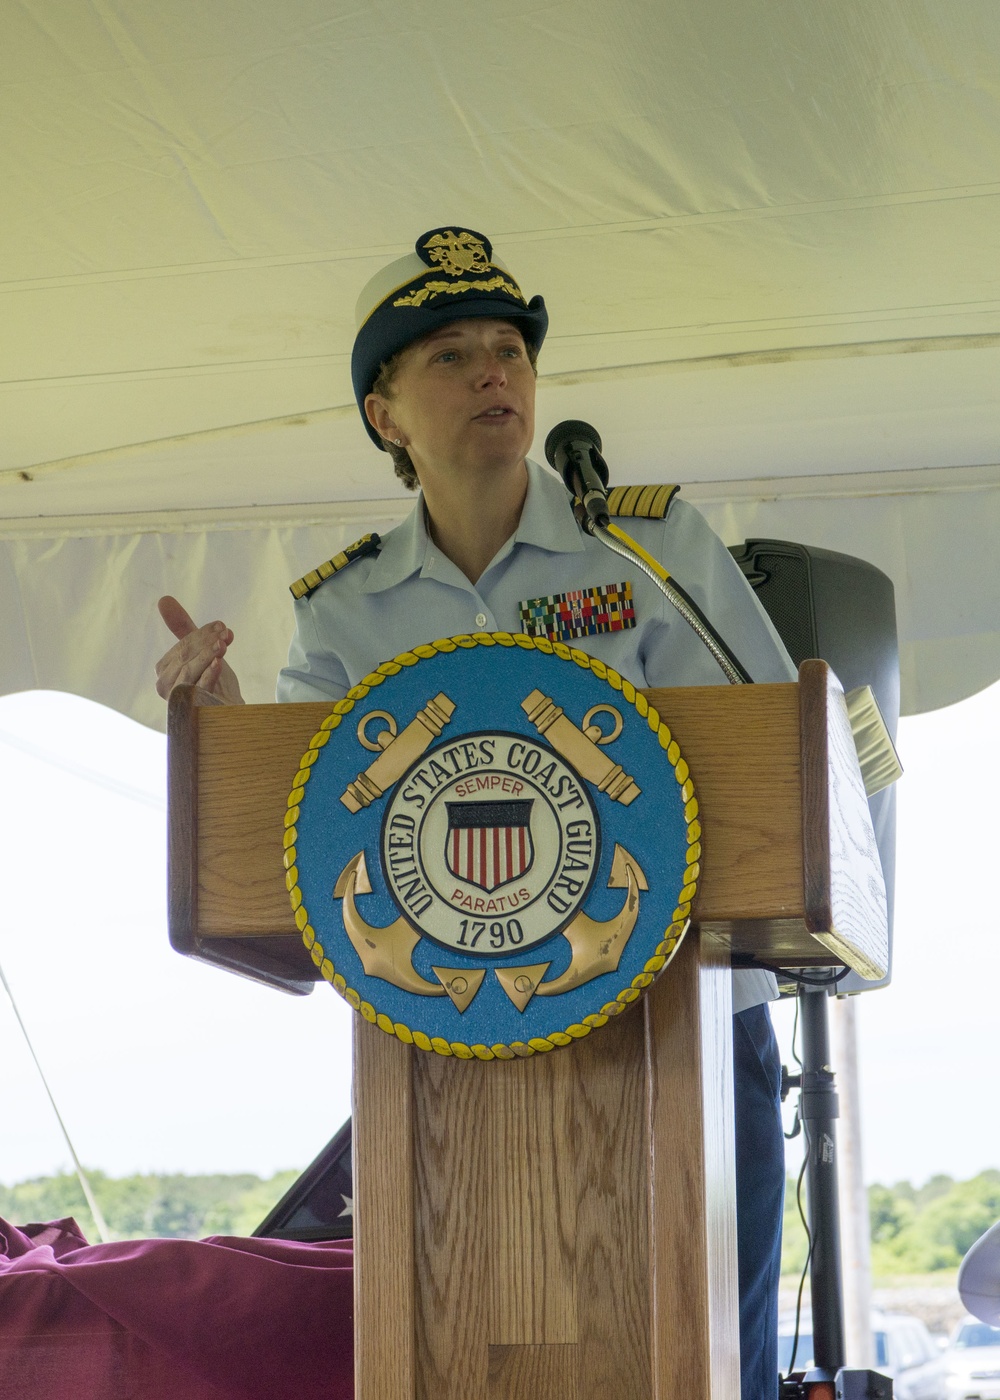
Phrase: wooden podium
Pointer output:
(563, 1227)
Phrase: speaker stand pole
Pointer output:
(818, 1110)
(829, 1379)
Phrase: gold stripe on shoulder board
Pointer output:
(641, 502)
(308, 583)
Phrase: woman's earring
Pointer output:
(398, 442)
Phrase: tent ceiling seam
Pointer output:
(741, 359)
(389, 511)
(381, 252)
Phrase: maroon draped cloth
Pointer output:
(213, 1319)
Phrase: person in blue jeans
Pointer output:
(444, 375)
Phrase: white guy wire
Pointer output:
(95, 1210)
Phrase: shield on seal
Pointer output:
(489, 843)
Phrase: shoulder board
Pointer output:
(308, 583)
(645, 502)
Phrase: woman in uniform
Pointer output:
(444, 375)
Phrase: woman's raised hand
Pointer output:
(197, 657)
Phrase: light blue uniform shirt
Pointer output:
(410, 592)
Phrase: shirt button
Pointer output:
(480, 619)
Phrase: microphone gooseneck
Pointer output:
(573, 449)
(620, 543)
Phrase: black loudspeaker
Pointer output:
(843, 610)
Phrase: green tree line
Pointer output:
(914, 1229)
(150, 1206)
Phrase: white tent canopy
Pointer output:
(766, 233)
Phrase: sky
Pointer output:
(159, 1063)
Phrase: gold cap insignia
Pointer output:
(456, 253)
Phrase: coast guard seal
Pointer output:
(516, 864)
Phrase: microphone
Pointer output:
(574, 450)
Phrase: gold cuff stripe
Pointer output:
(673, 934)
(641, 502)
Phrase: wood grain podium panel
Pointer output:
(452, 1157)
(382, 1114)
(846, 907)
(532, 1275)
(742, 746)
(573, 1214)
(694, 1306)
(612, 1227)
(530, 1373)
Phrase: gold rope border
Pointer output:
(665, 950)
